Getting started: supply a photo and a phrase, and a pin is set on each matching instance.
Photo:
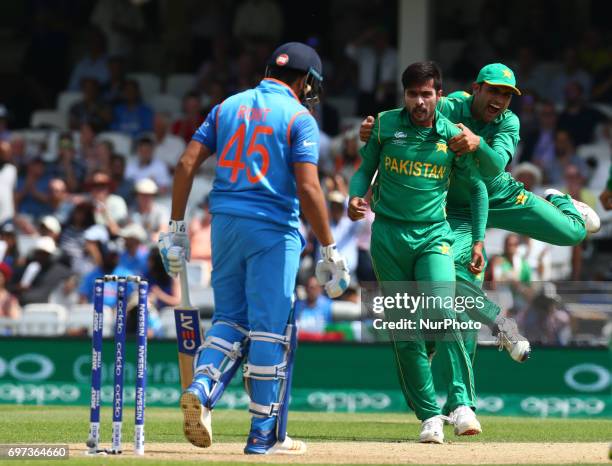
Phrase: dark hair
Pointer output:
(88, 210)
(421, 72)
(284, 74)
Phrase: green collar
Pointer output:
(438, 125)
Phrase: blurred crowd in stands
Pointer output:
(88, 193)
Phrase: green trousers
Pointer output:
(520, 211)
(515, 209)
(416, 252)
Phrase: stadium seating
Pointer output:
(180, 84)
(81, 316)
(49, 119)
(167, 103)
(42, 319)
(150, 84)
(67, 99)
(121, 141)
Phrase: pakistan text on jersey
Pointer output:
(414, 168)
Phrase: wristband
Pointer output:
(177, 226)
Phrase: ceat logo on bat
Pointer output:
(282, 59)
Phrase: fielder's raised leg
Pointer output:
(267, 147)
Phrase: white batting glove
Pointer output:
(174, 247)
(332, 271)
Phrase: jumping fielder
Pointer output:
(411, 239)
(491, 133)
(267, 146)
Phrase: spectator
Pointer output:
(91, 109)
(349, 160)
(539, 145)
(8, 236)
(314, 313)
(132, 117)
(572, 72)
(8, 181)
(99, 158)
(121, 186)
(343, 230)
(219, 67)
(134, 257)
(149, 214)
(111, 210)
(86, 154)
(546, 322)
(59, 200)
(513, 271)
(50, 227)
(9, 306)
(108, 254)
(578, 119)
(66, 166)
(530, 175)
(163, 289)
(113, 91)
(168, 148)
(5, 134)
(31, 195)
(377, 62)
(21, 153)
(147, 166)
(258, 20)
(565, 154)
(575, 187)
(94, 64)
(43, 273)
(192, 117)
(72, 239)
(199, 238)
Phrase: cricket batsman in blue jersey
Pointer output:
(266, 143)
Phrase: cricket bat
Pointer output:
(188, 331)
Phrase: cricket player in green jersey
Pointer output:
(491, 132)
(412, 241)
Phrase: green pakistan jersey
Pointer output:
(499, 138)
(511, 206)
(414, 168)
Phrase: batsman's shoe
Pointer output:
(259, 444)
(592, 222)
(197, 419)
(432, 430)
(465, 421)
(509, 338)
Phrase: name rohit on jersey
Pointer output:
(414, 168)
(252, 113)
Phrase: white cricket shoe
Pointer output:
(197, 420)
(432, 430)
(288, 447)
(465, 421)
(511, 340)
(592, 222)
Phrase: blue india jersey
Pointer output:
(257, 135)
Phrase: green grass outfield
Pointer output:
(49, 424)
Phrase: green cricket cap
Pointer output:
(498, 74)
